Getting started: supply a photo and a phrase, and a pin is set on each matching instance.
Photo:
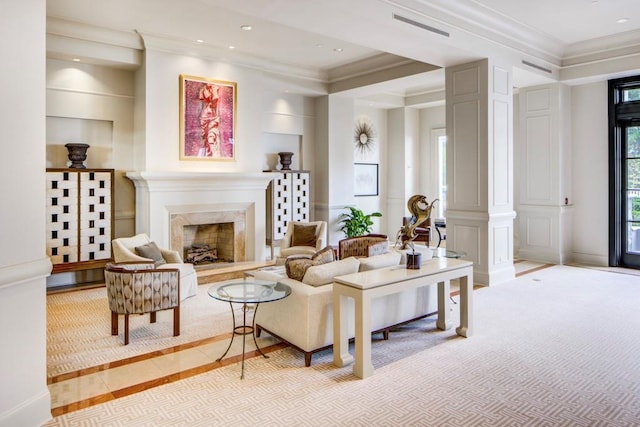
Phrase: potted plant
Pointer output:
(356, 223)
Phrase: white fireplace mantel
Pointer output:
(167, 181)
(158, 194)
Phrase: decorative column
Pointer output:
(479, 109)
(544, 168)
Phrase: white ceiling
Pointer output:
(302, 35)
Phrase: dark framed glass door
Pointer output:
(624, 172)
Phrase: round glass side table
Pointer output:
(247, 292)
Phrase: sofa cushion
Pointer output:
(151, 251)
(318, 275)
(388, 259)
(304, 235)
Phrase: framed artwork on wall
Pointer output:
(365, 179)
(207, 118)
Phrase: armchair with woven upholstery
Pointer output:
(363, 246)
(140, 248)
(140, 288)
(302, 239)
(423, 230)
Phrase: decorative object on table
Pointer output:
(285, 160)
(77, 154)
(420, 210)
(356, 223)
(364, 136)
(207, 118)
(365, 181)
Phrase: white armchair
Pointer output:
(302, 239)
(124, 250)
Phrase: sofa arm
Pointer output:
(303, 318)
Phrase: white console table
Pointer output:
(367, 285)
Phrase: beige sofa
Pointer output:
(305, 318)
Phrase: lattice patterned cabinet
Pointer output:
(79, 218)
(287, 200)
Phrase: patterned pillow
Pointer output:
(324, 256)
(151, 251)
(378, 248)
(304, 235)
(297, 266)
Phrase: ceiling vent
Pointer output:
(419, 25)
(537, 67)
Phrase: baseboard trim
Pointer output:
(19, 273)
(32, 412)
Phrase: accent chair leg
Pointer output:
(307, 358)
(114, 323)
(385, 334)
(258, 331)
(126, 329)
(152, 317)
(176, 321)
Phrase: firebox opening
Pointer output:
(208, 243)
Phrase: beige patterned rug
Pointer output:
(557, 347)
(79, 328)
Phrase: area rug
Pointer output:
(79, 328)
(557, 347)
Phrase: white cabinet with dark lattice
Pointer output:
(287, 200)
(79, 222)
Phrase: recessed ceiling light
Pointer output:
(319, 45)
(232, 47)
(246, 27)
(76, 59)
(200, 41)
(622, 20)
(338, 49)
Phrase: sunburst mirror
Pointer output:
(364, 136)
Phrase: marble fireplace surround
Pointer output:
(210, 214)
(163, 197)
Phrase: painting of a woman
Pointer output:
(207, 119)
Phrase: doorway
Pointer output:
(624, 172)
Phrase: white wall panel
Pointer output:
(465, 158)
(502, 155)
(538, 147)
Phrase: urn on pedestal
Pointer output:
(77, 154)
(285, 160)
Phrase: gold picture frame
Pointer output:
(207, 118)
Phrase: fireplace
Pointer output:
(219, 229)
(166, 202)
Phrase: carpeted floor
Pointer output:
(556, 347)
(79, 329)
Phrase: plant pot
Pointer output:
(414, 260)
(285, 160)
(77, 154)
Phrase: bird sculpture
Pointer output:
(420, 210)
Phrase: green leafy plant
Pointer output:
(356, 223)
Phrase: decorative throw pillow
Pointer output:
(297, 266)
(324, 256)
(378, 248)
(304, 235)
(151, 251)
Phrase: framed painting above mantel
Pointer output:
(207, 118)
